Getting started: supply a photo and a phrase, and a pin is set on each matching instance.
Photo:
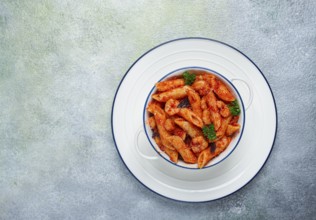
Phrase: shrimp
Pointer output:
(202, 87)
(223, 109)
(207, 77)
(198, 144)
(171, 107)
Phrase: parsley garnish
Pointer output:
(234, 108)
(188, 77)
(209, 132)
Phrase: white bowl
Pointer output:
(161, 157)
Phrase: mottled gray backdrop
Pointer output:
(60, 64)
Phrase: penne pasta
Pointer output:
(185, 151)
(222, 144)
(159, 143)
(204, 157)
(169, 84)
(206, 116)
(191, 130)
(156, 109)
(195, 102)
(223, 92)
(222, 130)
(163, 136)
(173, 155)
(176, 93)
(152, 122)
(179, 132)
(216, 119)
(207, 154)
(191, 117)
(203, 103)
(210, 100)
(231, 129)
(169, 125)
(215, 116)
(160, 121)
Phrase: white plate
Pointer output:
(194, 185)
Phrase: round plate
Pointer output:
(248, 157)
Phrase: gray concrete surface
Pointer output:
(60, 64)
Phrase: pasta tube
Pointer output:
(169, 84)
(231, 129)
(188, 127)
(191, 117)
(216, 117)
(185, 151)
(223, 92)
(160, 119)
(222, 130)
(206, 155)
(176, 93)
(173, 154)
(195, 102)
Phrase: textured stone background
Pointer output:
(60, 64)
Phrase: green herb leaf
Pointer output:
(189, 78)
(209, 132)
(234, 108)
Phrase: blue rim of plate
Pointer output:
(206, 39)
(211, 71)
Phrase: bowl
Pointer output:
(161, 157)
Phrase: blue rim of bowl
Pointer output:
(206, 39)
(215, 73)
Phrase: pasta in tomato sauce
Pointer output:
(193, 116)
